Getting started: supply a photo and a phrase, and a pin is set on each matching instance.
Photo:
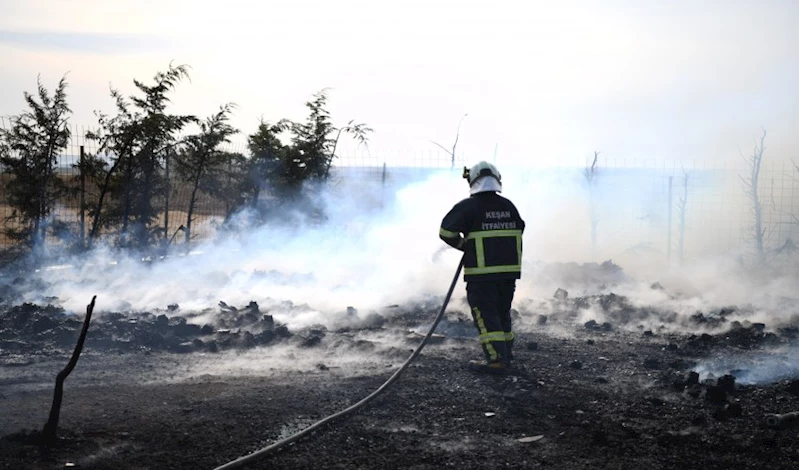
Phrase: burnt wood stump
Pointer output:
(48, 436)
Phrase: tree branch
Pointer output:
(455, 144)
(442, 147)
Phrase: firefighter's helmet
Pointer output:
(480, 170)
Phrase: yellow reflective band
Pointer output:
(492, 353)
(509, 336)
(495, 233)
(448, 234)
(481, 326)
(511, 268)
(480, 251)
(492, 337)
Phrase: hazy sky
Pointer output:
(545, 81)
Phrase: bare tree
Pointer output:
(794, 216)
(454, 144)
(750, 184)
(682, 205)
(590, 174)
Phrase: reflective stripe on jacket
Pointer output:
(492, 236)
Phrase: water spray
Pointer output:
(296, 436)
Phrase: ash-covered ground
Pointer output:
(602, 381)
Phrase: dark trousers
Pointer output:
(490, 303)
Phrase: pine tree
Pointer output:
(30, 152)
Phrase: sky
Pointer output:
(539, 82)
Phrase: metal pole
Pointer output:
(668, 235)
(82, 167)
(383, 187)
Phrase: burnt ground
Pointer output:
(157, 391)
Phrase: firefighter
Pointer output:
(488, 229)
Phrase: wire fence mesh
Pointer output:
(698, 207)
(680, 209)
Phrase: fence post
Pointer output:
(229, 185)
(383, 187)
(82, 169)
(166, 198)
(668, 234)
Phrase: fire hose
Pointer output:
(241, 461)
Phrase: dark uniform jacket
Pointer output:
(492, 236)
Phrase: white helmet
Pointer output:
(481, 170)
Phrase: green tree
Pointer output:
(311, 143)
(202, 164)
(116, 139)
(136, 143)
(314, 142)
(30, 151)
(291, 173)
(157, 135)
(278, 173)
(234, 173)
(269, 165)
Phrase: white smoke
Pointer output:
(379, 246)
(761, 367)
